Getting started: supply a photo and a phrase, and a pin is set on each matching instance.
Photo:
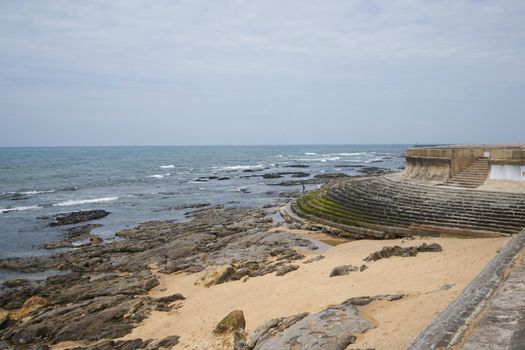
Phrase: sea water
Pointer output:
(137, 184)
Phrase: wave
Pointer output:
(352, 154)
(30, 207)
(159, 176)
(37, 192)
(310, 154)
(18, 195)
(239, 167)
(171, 166)
(85, 201)
(325, 159)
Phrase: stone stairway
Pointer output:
(474, 175)
(381, 204)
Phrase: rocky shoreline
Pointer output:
(103, 294)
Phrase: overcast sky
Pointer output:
(122, 72)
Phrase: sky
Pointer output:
(128, 72)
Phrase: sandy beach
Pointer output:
(429, 282)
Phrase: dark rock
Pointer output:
(373, 170)
(285, 269)
(363, 268)
(78, 216)
(105, 293)
(95, 240)
(343, 270)
(234, 321)
(170, 298)
(300, 175)
(222, 178)
(315, 258)
(184, 206)
(80, 232)
(94, 319)
(387, 252)
(134, 344)
(330, 176)
(271, 176)
(298, 166)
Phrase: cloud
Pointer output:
(255, 52)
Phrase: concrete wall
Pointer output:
(507, 172)
(427, 168)
(439, 163)
(462, 157)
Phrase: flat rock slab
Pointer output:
(331, 329)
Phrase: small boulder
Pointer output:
(229, 334)
(234, 321)
(285, 269)
(95, 240)
(343, 270)
(217, 276)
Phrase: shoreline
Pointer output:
(217, 239)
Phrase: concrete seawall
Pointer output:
(490, 312)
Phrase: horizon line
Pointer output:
(223, 145)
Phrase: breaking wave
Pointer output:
(85, 201)
(239, 167)
(30, 207)
(159, 176)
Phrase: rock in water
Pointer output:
(77, 216)
(95, 240)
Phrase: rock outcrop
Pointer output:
(387, 252)
(77, 217)
(335, 328)
(104, 293)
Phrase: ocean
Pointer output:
(138, 184)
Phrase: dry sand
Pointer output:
(310, 288)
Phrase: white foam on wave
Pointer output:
(352, 154)
(27, 193)
(30, 207)
(159, 176)
(310, 154)
(171, 166)
(239, 167)
(84, 201)
(325, 159)
(36, 192)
